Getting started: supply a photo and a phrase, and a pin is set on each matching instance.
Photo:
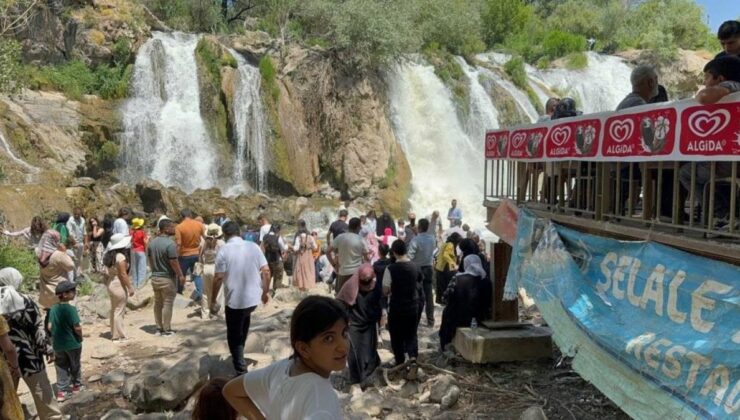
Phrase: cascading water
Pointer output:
(482, 115)
(445, 162)
(599, 87)
(250, 129)
(164, 136)
(6, 147)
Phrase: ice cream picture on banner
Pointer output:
(585, 139)
(654, 133)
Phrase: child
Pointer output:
(211, 404)
(299, 387)
(66, 334)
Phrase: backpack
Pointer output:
(251, 236)
(272, 247)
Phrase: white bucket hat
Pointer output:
(118, 241)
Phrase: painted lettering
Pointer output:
(697, 361)
(631, 297)
(704, 146)
(653, 351)
(636, 344)
(717, 382)
(654, 290)
(673, 313)
(700, 302)
(732, 403)
(610, 257)
(671, 365)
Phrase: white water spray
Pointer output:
(164, 137)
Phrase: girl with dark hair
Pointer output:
(211, 404)
(446, 265)
(108, 221)
(32, 233)
(304, 275)
(96, 233)
(299, 387)
(117, 259)
(402, 282)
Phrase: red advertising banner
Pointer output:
(496, 144)
(574, 139)
(527, 143)
(669, 131)
(711, 130)
(648, 133)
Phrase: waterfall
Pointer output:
(5, 145)
(599, 87)
(164, 136)
(445, 162)
(250, 129)
(482, 115)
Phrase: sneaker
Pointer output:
(76, 389)
(63, 396)
(167, 333)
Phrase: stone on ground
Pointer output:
(440, 387)
(368, 402)
(118, 414)
(104, 351)
(534, 412)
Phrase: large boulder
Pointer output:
(159, 388)
(253, 44)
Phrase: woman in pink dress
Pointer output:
(304, 271)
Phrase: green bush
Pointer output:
(515, 69)
(11, 69)
(23, 260)
(75, 79)
(502, 18)
(576, 61)
(268, 73)
(558, 44)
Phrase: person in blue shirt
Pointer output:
(454, 214)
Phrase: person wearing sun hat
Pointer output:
(139, 240)
(117, 259)
(219, 217)
(209, 303)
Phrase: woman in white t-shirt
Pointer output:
(299, 387)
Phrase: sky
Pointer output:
(720, 11)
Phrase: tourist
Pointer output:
(454, 214)
(10, 408)
(435, 223)
(77, 228)
(402, 283)
(385, 221)
(299, 387)
(644, 82)
(421, 253)
(66, 338)
(401, 230)
(337, 227)
(324, 267)
(729, 38)
(351, 252)
(121, 223)
(275, 251)
(242, 268)
(60, 225)
(188, 234)
(219, 217)
(32, 234)
(117, 259)
(467, 233)
(166, 275)
(365, 310)
(28, 335)
(316, 253)
(372, 245)
(211, 404)
(388, 237)
(304, 271)
(721, 77)
(462, 301)
(264, 225)
(95, 235)
(139, 241)
(550, 106)
(372, 222)
(484, 286)
(108, 222)
(379, 267)
(55, 266)
(209, 305)
(446, 264)
(409, 232)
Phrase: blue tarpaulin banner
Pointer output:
(659, 328)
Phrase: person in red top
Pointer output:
(139, 241)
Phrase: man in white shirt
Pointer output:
(242, 268)
(265, 226)
(351, 252)
(78, 231)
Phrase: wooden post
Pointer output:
(502, 310)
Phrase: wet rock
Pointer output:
(115, 377)
(79, 402)
(143, 296)
(158, 389)
(450, 398)
(534, 412)
(94, 378)
(118, 414)
(409, 389)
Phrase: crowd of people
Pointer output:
(721, 78)
(385, 274)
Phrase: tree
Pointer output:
(15, 14)
(11, 70)
(502, 18)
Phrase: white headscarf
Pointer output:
(10, 300)
(473, 266)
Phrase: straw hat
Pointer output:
(219, 212)
(213, 231)
(118, 241)
(137, 223)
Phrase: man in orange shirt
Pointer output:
(187, 237)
